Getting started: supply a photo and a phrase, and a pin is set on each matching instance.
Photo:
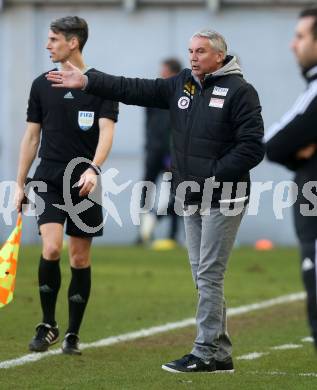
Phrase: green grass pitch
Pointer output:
(136, 288)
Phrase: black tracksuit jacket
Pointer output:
(297, 129)
(217, 126)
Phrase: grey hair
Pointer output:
(216, 40)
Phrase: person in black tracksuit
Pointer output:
(217, 132)
(158, 153)
(65, 125)
(292, 142)
(202, 117)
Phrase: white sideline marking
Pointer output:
(263, 305)
(33, 357)
(281, 373)
(308, 374)
(256, 355)
(252, 355)
(287, 346)
(275, 373)
(307, 340)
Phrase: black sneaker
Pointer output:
(45, 336)
(225, 365)
(190, 363)
(70, 344)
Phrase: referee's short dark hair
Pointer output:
(173, 65)
(71, 26)
(311, 11)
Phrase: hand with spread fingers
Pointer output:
(72, 77)
(87, 182)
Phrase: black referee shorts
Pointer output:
(83, 224)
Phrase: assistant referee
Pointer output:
(67, 124)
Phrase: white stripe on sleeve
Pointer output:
(299, 107)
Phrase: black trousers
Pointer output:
(309, 275)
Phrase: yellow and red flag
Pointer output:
(8, 263)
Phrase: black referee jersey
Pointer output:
(69, 120)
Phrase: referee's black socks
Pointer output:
(49, 277)
(78, 295)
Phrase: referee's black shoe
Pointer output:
(225, 365)
(45, 336)
(190, 363)
(70, 344)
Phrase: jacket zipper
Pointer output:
(194, 103)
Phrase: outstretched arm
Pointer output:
(135, 91)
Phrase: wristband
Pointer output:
(95, 168)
